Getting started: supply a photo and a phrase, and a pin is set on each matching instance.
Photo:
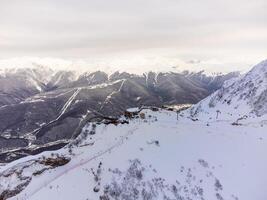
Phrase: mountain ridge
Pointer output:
(238, 99)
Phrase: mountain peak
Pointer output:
(245, 97)
(261, 67)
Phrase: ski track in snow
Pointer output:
(123, 81)
(81, 163)
(63, 110)
(110, 95)
(68, 103)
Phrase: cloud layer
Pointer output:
(192, 30)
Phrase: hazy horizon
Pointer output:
(217, 36)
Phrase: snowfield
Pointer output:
(158, 157)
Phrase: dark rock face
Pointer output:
(59, 108)
(13, 142)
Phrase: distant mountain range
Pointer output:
(43, 108)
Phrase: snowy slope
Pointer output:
(153, 158)
(239, 99)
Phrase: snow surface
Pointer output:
(157, 157)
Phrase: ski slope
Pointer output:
(158, 158)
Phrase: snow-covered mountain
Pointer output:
(239, 99)
(155, 154)
(41, 108)
(17, 84)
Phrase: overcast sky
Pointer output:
(216, 33)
